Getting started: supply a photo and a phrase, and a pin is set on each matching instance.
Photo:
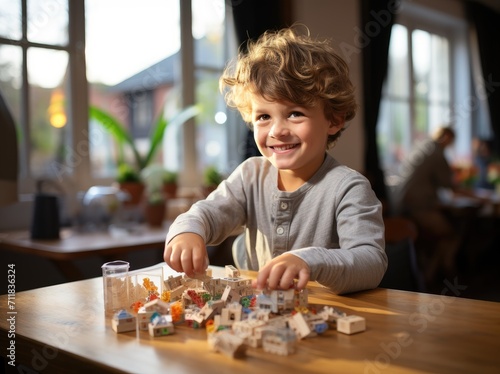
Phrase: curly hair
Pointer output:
(286, 66)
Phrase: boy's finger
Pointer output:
(262, 278)
(200, 260)
(187, 263)
(302, 279)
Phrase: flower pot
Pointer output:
(135, 191)
(170, 190)
(154, 214)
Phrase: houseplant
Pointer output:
(123, 138)
(155, 178)
(170, 183)
(211, 179)
(155, 209)
(130, 182)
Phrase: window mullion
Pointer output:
(78, 92)
(411, 86)
(187, 66)
(25, 154)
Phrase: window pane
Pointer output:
(421, 118)
(421, 45)
(208, 23)
(439, 76)
(211, 124)
(47, 74)
(10, 77)
(48, 21)
(47, 68)
(10, 19)
(141, 112)
(394, 134)
(131, 66)
(432, 83)
(397, 80)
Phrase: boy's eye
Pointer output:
(296, 114)
(263, 117)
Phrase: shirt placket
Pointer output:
(282, 226)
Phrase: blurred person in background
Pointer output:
(423, 174)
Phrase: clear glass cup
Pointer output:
(116, 286)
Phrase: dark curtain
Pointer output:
(377, 18)
(487, 24)
(9, 168)
(252, 19)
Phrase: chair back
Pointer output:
(402, 271)
(398, 229)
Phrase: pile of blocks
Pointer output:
(233, 316)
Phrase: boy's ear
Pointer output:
(336, 124)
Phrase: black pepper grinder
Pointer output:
(45, 223)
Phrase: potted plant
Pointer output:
(157, 180)
(129, 181)
(211, 179)
(155, 209)
(124, 138)
(170, 184)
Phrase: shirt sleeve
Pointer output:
(361, 261)
(215, 218)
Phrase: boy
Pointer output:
(306, 217)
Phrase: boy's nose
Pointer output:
(279, 129)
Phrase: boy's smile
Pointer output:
(283, 148)
(292, 137)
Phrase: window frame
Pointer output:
(27, 182)
(454, 29)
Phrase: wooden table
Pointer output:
(62, 329)
(479, 202)
(74, 245)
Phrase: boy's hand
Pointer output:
(281, 272)
(186, 253)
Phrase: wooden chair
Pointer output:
(402, 271)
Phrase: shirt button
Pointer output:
(280, 230)
(284, 206)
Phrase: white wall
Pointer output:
(338, 21)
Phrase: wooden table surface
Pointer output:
(62, 329)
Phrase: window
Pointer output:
(152, 83)
(428, 84)
(34, 79)
(125, 58)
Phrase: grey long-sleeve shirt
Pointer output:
(333, 222)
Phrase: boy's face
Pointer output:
(293, 138)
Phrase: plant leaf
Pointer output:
(110, 124)
(160, 126)
(116, 129)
